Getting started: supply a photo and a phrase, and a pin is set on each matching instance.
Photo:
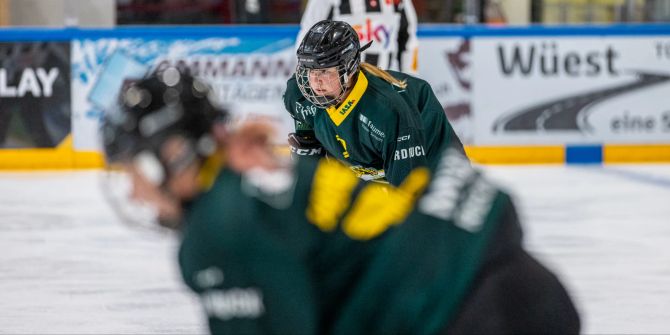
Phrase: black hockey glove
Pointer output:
(303, 145)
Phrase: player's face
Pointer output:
(182, 182)
(325, 82)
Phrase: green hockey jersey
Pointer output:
(380, 130)
(318, 251)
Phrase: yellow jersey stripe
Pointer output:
(339, 114)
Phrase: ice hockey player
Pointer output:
(272, 245)
(381, 123)
(391, 24)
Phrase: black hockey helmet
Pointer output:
(328, 44)
(164, 104)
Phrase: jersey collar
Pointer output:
(210, 169)
(337, 115)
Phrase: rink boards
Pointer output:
(569, 154)
(514, 95)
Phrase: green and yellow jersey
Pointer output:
(380, 130)
(324, 252)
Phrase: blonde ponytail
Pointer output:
(383, 74)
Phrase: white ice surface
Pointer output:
(67, 265)
(606, 232)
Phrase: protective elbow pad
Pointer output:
(302, 145)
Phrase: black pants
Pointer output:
(515, 294)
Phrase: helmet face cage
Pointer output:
(322, 101)
(117, 188)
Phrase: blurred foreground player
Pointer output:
(305, 247)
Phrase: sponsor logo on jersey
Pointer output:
(208, 277)
(299, 125)
(233, 303)
(403, 138)
(226, 304)
(411, 152)
(373, 31)
(309, 110)
(376, 133)
(347, 106)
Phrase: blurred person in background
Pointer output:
(381, 123)
(391, 24)
(273, 245)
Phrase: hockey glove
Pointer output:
(303, 145)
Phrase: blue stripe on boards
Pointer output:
(14, 34)
(291, 30)
(443, 30)
(583, 154)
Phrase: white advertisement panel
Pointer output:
(446, 63)
(248, 75)
(571, 90)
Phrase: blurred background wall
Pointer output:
(58, 13)
(4, 17)
(105, 13)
